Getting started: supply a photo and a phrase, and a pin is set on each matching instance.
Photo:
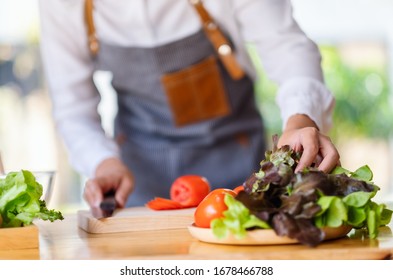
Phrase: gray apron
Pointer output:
(225, 150)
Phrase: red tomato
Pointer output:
(211, 207)
(189, 190)
(238, 189)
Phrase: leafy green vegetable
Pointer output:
(334, 214)
(20, 201)
(237, 219)
(298, 205)
(358, 199)
(362, 211)
(356, 216)
(363, 173)
(374, 221)
(276, 168)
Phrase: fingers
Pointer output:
(110, 174)
(122, 183)
(317, 149)
(310, 144)
(124, 190)
(330, 155)
(93, 192)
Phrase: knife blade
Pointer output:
(106, 208)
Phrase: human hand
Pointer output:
(302, 135)
(111, 174)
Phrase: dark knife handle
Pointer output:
(109, 202)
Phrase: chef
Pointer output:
(185, 94)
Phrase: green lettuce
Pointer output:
(237, 220)
(299, 204)
(20, 200)
(355, 209)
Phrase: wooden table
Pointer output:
(63, 240)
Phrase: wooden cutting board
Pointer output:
(19, 238)
(136, 219)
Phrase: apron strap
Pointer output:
(220, 43)
(93, 43)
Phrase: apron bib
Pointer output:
(225, 148)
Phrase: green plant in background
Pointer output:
(362, 97)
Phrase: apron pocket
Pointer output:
(196, 93)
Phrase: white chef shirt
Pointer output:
(288, 56)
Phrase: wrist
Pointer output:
(108, 164)
(298, 121)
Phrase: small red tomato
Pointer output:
(189, 190)
(238, 189)
(211, 207)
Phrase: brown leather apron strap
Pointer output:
(91, 31)
(220, 43)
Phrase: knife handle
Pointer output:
(109, 201)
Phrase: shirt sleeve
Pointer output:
(289, 58)
(69, 74)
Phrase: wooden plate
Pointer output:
(260, 236)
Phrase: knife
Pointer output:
(107, 206)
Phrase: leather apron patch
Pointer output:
(196, 93)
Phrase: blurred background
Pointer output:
(354, 36)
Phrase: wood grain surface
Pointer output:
(65, 240)
(19, 238)
(136, 219)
